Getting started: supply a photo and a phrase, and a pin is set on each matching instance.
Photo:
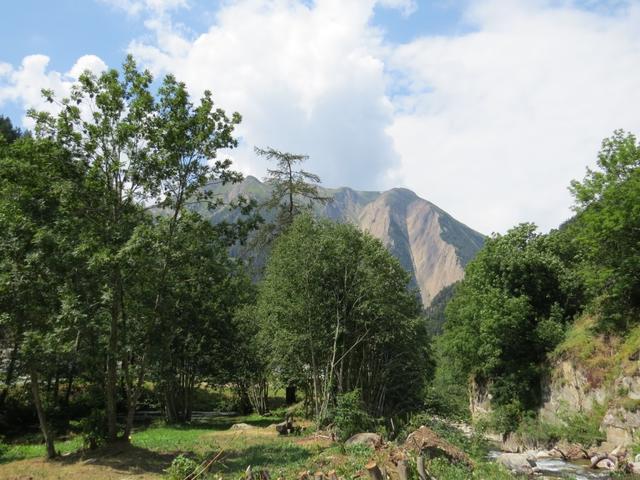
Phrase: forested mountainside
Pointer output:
(430, 244)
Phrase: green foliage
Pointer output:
(435, 312)
(350, 417)
(583, 428)
(181, 467)
(4, 448)
(93, 429)
(334, 304)
(537, 433)
(606, 227)
(508, 313)
(574, 427)
(8, 133)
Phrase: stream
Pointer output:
(557, 468)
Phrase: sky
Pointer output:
(487, 108)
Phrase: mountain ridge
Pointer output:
(430, 244)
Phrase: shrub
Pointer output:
(536, 433)
(583, 428)
(93, 429)
(3, 448)
(181, 467)
(350, 416)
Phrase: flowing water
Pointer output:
(557, 468)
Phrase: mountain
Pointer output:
(430, 243)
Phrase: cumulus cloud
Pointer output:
(25, 83)
(491, 124)
(494, 123)
(306, 78)
(135, 7)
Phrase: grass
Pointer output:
(152, 450)
(33, 450)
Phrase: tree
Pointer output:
(38, 188)
(293, 191)
(507, 314)
(8, 133)
(192, 330)
(336, 309)
(138, 151)
(607, 203)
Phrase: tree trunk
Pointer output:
(401, 468)
(112, 364)
(374, 471)
(42, 419)
(8, 379)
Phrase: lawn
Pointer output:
(152, 449)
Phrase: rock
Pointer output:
(619, 452)
(371, 439)
(544, 454)
(511, 444)
(603, 462)
(635, 466)
(241, 426)
(517, 462)
(621, 426)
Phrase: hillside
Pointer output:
(430, 243)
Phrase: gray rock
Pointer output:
(370, 439)
(517, 462)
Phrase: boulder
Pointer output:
(241, 426)
(517, 462)
(635, 466)
(619, 452)
(371, 439)
(604, 461)
(545, 454)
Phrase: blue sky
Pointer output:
(64, 30)
(488, 108)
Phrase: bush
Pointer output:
(93, 429)
(538, 434)
(350, 416)
(3, 448)
(181, 467)
(583, 428)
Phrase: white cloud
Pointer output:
(135, 7)
(490, 124)
(307, 79)
(496, 122)
(24, 84)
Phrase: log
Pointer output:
(374, 471)
(423, 473)
(401, 469)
